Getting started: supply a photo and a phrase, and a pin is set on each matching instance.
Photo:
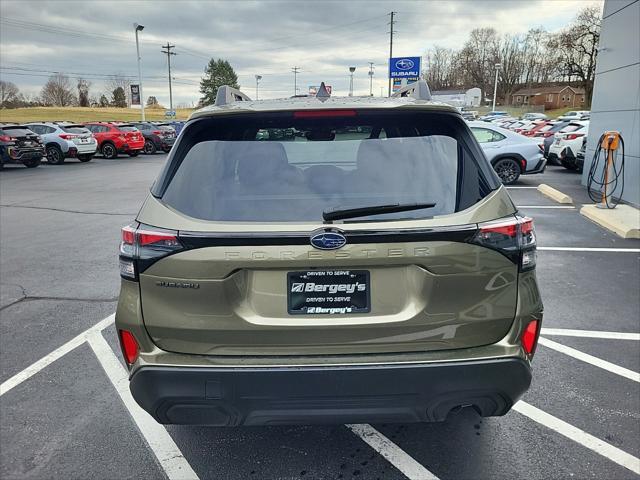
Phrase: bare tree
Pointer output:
(119, 81)
(83, 92)
(440, 68)
(8, 92)
(58, 91)
(577, 49)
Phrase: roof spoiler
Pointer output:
(418, 90)
(227, 95)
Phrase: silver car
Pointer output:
(65, 140)
(510, 153)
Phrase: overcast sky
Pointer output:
(96, 38)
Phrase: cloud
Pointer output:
(257, 37)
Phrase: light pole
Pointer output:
(371, 79)
(139, 28)
(258, 78)
(351, 70)
(495, 87)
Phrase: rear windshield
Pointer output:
(127, 128)
(284, 168)
(572, 127)
(74, 129)
(17, 131)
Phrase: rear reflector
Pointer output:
(129, 346)
(323, 113)
(530, 337)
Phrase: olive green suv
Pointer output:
(323, 260)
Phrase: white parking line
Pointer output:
(583, 438)
(551, 207)
(61, 351)
(566, 332)
(164, 448)
(595, 361)
(392, 452)
(590, 249)
(516, 188)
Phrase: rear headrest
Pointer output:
(260, 161)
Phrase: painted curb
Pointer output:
(623, 220)
(553, 194)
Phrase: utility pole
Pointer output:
(371, 79)
(295, 80)
(392, 22)
(168, 52)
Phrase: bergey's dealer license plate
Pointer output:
(331, 292)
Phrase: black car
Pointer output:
(156, 137)
(18, 144)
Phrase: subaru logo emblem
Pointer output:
(404, 64)
(328, 240)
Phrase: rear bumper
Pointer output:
(333, 394)
(539, 168)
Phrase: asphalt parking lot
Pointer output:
(65, 411)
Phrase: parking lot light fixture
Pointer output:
(258, 78)
(495, 87)
(351, 70)
(138, 28)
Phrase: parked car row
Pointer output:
(559, 140)
(30, 142)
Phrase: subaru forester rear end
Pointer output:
(322, 260)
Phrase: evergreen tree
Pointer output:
(119, 98)
(217, 73)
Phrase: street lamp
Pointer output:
(371, 79)
(258, 78)
(351, 70)
(139, 28)
(495, 87)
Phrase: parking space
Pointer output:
(69, 415)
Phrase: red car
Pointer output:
(115, 138)
(536, 128)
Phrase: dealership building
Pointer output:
(616, 96)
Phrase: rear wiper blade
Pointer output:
(342, 213)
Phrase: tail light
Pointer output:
(68, 136)
(515, 238)
(142, 246)
(573, 136)
(6, 138)
(529, 338)
(129, 345)
(158, 132)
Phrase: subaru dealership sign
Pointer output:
(404, 67)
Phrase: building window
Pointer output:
(550, 97)
(519, 99)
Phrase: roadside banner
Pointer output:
(135, 94)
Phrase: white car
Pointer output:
(576, 115)
(534, 116)
(568, 142)
(510, 153)
(65, 140)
